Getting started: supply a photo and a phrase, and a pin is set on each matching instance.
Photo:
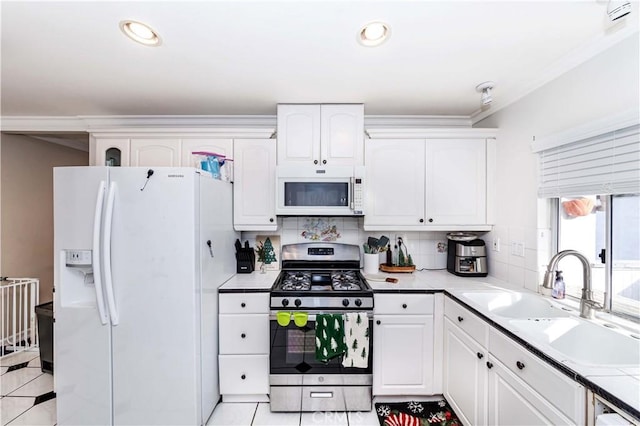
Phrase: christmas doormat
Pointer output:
(416, 413)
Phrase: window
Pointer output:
(592, 172)
(606, 229)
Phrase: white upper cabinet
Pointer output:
(254, 202)
(456, 183)
(323, 135)
(394, 182)
(298, 134)
(429, 184)
(111, 152)
(218, 146)
(155, 152)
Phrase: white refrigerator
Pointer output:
(139, 256)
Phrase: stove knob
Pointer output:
(285, 302)
(345, 302)
(298, 302)
(358, 302)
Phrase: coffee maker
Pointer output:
(466, 256)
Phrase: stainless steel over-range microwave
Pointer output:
(322, 191)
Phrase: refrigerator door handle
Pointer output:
(106, 253)
(96, 258)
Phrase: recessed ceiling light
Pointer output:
(374, 34)
(142, 33)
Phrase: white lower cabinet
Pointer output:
(490, 379)
(244, 375)
(465, 375)
(244, 347)
(403, 344)
(512, 402)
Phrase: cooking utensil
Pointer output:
(372, 242)
(380, 279)
(382, 242)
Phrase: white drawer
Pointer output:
(403, 303)
(244, 374)
(244, 303)
(244, 334)
(473, 325)
(565, 394)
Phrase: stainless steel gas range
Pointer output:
(316, 279)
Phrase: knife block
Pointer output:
(245, 261)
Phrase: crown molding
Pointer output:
(431, 133)
(598, 44)
(42, 124)
(415, 121)
(182, 122)
(220, 125)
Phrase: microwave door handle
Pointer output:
(351, 184)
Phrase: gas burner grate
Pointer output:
(345, 281)
(296, 281)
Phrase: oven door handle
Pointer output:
(312, 317)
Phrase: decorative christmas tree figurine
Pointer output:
(269, 252)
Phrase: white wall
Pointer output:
(26, 185)
(426, 248)
(605, 85)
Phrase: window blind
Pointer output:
(608, 163)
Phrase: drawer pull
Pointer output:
(243, 335)
(404, 306)
(243, 376)
(460, 319)
(489, 365)
(480, 355)
(378, 322)
(243, 305)
(519, 365)
(321, 394)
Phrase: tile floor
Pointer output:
(254, 414)
(27, 398)
(26, 393)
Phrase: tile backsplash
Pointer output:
(428, 249)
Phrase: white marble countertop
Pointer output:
(253, 282)
(623, 383)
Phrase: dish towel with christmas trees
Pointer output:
(329, 336)
(356, 336)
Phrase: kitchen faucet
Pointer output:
(588, 306)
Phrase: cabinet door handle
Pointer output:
(315, 161)
(421, 220)
(404, 306)
(243, 377)
(271, 219)
(243, 305)
(519, 365)
(460, 319)
(430, 220)
(480, 355)
(378, 322)
(489, 365)
(243, 335)
(324, 161)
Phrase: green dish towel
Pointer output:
(329, 336)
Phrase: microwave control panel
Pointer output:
(357, 202)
